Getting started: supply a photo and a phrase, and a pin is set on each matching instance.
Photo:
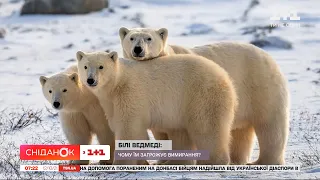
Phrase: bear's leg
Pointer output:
(241, 145)
(180, 141)
(215, 139)
(160, 136)
(272, 129)
(107, 138)
(130, 130)
(76, 128)
(272, 137)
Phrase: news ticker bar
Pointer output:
(102, 152)
(170, 168)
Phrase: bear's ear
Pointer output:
(80, 55)
(43, 80)
(163, 33)
(113, 55)
(74, 77)
(123, 32)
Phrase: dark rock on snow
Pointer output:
(14, 1)
(315, 82)
(124, 7)
(2, 33)
(199, 28)
(71, 60)
(62, 6)
(12, 58)
(68, 46)
(272, 41)
(111, 10)
(317, 70)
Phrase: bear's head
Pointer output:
(143, 43)
(96, 69)
(60, 89)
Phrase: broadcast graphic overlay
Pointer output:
(129, 150)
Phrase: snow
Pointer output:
(44, 44)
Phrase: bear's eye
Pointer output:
(65, 90)
(50, 91)
(149, 39)
(131, 39)
(101, 67)
(85, 67)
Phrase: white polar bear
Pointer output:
(161, 94)
(80, 113)
(261, 88)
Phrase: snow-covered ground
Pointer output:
(44, 44)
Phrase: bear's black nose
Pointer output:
(137, 50)
(56, 104)
(90, 81)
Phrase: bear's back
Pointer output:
(178, 65)
(176, 75)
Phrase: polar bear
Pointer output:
(260, 85)
(161, 95)
(79, 110)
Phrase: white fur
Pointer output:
(261, 88)
(183, 95)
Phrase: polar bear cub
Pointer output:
(261, 87)
(184, 93)
(79, 110)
